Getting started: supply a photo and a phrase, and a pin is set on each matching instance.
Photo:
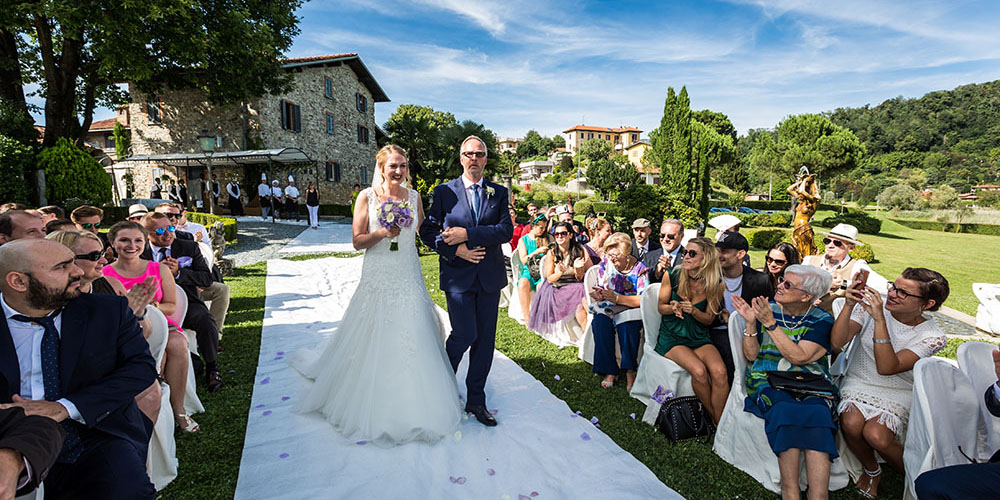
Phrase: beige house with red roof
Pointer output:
(620, 137)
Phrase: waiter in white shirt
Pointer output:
(264, 193)
(277, 194)
(292, 199)
(235, 204)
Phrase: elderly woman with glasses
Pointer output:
(790, 335)
(778, 258)
(560, 292)
(621, 279)
(129, 240)
(878, 388)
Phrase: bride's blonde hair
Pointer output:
(379, 181)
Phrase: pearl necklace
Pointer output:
(784, 326)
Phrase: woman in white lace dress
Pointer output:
(384, 377)
(877, 390)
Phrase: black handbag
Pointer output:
(684, 418)
(801, 384)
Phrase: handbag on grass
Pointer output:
(801, 384)
(684, 418)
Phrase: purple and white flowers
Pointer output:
(395, 213)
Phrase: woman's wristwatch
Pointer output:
(772, 327)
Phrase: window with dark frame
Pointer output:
(362, 102)
(333, 171)
(330, 129)
(328, 87)
(362, 134)
(154, 111)
(291, 116)
(109, 142)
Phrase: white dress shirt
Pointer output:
(276, 192)
(292, 192)
(27, 339)
(469, 194)
(263, 190)
(233, 189)
(193, 228)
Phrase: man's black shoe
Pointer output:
(482, 415)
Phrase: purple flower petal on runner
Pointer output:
(494, 411)
(260, 406)
(573, 415)
(593, 420)
(286, 398)
(361, 443)
(597, 425)
(491, 472)
(578, 412)
(585, 436)
(283, 455)
(632, 415)
(265, 381)
(534, 493)
(280, 353)
(456, 480)
(266, 413)
(523, 497)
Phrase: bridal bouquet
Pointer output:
(395, 213)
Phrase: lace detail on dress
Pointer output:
(929, 346)
(895, 418)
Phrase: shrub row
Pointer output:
(950, 227)
(773, 205)
(864, 222)
(207, 220)
(764, 239)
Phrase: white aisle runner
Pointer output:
(330, 237)
(540, 449)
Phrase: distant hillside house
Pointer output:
(505, 144)
(620, 137)
(533, 171)
(329, 114)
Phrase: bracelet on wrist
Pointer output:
(882, 341)
(745, 334)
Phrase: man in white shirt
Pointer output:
(292, 199)
(837, 261)
(264, 193)
(235, 204)
(199, 231)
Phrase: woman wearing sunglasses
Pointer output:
(878, 388)
(778, 258)
(560, 292)
(691, 297)
(129, 240)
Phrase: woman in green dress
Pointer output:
(533, 246)
(691, 297)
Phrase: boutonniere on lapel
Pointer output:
(490, 192)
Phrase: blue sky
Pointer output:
(516, 65)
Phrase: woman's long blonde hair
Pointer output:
(710, 271)
(379, 181)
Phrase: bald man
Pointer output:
(79, 359)
(18, 224)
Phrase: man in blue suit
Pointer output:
(466, 224)
(80, 360)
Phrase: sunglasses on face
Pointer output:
(474, 154)
(92, 256)
(89, 225)
(787, 285)
(669, 237)
(689, 253)
(836, 243)
(161, 230)
(779, 262)
(903, 294)
(560, 233)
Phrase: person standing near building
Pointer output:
(157, 190)
(182, 191)
(312, 205)
(292, 199)
(173, 193)
(277, 195)
(216, 190)
(264, 194)
(235, 205)
(197, 190)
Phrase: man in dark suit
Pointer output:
(669, 254)
(738, 279)
(978, 480)
(92, 361)
(190, 271)
(641, 242)
(29, 445)
(466, 224)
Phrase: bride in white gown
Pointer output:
(384, 377)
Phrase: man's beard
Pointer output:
(45, 298)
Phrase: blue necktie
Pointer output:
(475, 202)
(72, 446)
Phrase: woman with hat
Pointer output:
(836, 260)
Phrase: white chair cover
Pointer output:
(988, 311)
(944, 403)
(192, 404)
(740, 438)
(207, 253)
(161, 459)
(514, 307)
(508, 291)
(568, 332)
(655, 370)
(975, 360)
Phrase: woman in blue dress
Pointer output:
(532, 248)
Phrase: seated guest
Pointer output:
(560, 292)
(104, 452)
(641, 243)
(519, 229)
(837, 261)
(739, 280)
(218, 292)
(621, 278)
(532, 211)
(533, 246)
(598, 229)
(191, 272)
(131, 270)
(877, 390)
(198, 230)
(136, 211)
(89, 218)
(51, 212)
(29, 446)
(670, 252)
(778, 258)
(690, 300)
(18, 224)
(976, 480)
(59, 225)
(173, 212)
(791, 335)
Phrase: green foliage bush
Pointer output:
(16, 160)
(72, 173)
(766, 238)
(207, 220)
(950, 227)
(654, 203)
(864, 222)
(864, 251)
(781, 219)
(584, 206)
(899, 196)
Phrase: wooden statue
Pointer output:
(806, 191)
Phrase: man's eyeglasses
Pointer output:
(779, 262)
(669, 237)
(836, 243)
(903, 294)
(89, 225)
(92, 256)
(161, 230)
(474, 154)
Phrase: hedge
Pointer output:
(764, 239)
(784, 205)
(950, 227)
(864, 222)
(207, 220)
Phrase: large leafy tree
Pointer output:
(807, 140)
(713, 152)
(609, 174)
(535, 144)
(77, 50)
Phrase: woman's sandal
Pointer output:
(186, 423)
(872, 474)
(607, 383)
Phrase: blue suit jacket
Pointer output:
(450, 208)
(104, 363)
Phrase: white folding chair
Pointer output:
(654, 369)
(161, 458)
(740, 438)
(514, 307)
(975, 360)
(944, 402)
(988, 310)
(508, 291)
(586, 351)
(192, 404)
(207, 253)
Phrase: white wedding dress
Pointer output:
(384, 377)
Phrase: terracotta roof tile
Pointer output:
(104, 124)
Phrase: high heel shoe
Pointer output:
(186, 423)
(607, 383)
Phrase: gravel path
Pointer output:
(259, 241)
